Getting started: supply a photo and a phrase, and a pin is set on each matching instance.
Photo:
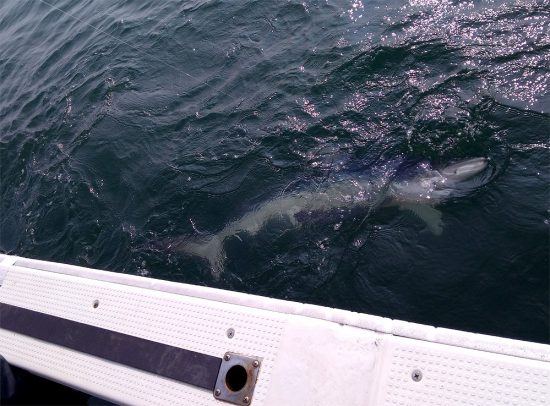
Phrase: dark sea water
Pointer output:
(127, 126)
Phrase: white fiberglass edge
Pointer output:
(366, 321)
(311, 355)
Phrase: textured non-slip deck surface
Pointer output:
(457, 376)
(307, 360)
(190, 323)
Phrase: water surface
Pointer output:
(125, 125)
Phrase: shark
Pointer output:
(420, 191)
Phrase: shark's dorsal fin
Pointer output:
(428, 214)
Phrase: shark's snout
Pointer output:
(465, 169)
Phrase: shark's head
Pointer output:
(461, 178)
(464, 170)
(433, 186)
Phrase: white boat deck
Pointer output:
(309, 355)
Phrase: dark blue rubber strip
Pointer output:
(183, 365)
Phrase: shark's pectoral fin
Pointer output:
(431, 216)
(292, 216)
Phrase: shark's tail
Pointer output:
(210, 249)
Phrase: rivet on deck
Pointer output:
(416, 375)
